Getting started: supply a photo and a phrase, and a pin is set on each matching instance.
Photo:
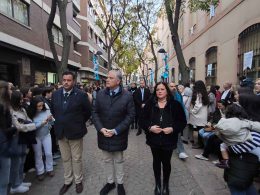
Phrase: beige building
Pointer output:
(215, 45)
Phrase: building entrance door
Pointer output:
(10, 73)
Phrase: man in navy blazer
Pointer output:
(71, 110)
(141, 95)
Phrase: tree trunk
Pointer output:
(174, 24)
(126, 79)
(129, 78)
(183, 69)
(109, 63)
(155, 59)
(50, 36)
(62, 64)
(62, 4)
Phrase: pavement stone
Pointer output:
(190, 177)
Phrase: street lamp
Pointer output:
(166, 71)
(96, 64)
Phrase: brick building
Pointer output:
(25, 56)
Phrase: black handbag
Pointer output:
(243, 169)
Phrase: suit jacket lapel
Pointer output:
(60, 99)
(71, 99)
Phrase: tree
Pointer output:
(173, 11)
(137, 38)
(112, 22)
(147, 11)
(61, 64)
(127, 60)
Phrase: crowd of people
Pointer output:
(41, 124)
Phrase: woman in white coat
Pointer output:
(198, 110)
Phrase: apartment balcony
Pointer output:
(76, 4)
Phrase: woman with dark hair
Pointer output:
(43, 120)
(210, 140)
(212, 101)
(199, 110)
(251, 104)
(24, 124)
(162, 119)
(88, 91)
(218, 93)
(243, 166)
(6, 135)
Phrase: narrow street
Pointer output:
(193, 177)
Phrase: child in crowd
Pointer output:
(43, 119)
(238, 134)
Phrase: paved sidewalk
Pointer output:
(193, 177)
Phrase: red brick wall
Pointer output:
(36, 33)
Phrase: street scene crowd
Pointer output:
(43, 123)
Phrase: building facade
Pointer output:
(91, 42)
(220, 46)
(25, 56)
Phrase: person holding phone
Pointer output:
(42, 118)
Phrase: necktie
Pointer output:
(142, 91)
(66, 95)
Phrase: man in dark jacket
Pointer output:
(112, 115)
(133, 90)
(228, 95)
(71, 110)
(141, 95)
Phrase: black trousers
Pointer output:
(200, 142)
(213, 146)
(53, 141)
(161, 157)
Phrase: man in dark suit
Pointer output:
(228, 95)
(141, 95)
(71, 110)
(112, 115)
(132, 90)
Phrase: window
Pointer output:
(75, 46)
(193, 22)
(90, 34)
(249, 41)
(57, 35)
(100, 43)
(105, 64)
(6, 7)
(90, 56)
(192, 64)
(211, 66)
(75, 8)
(16, 9)
(104, 47)
(75, 13)
(96, 39)
(101, 61)
(90, 9)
